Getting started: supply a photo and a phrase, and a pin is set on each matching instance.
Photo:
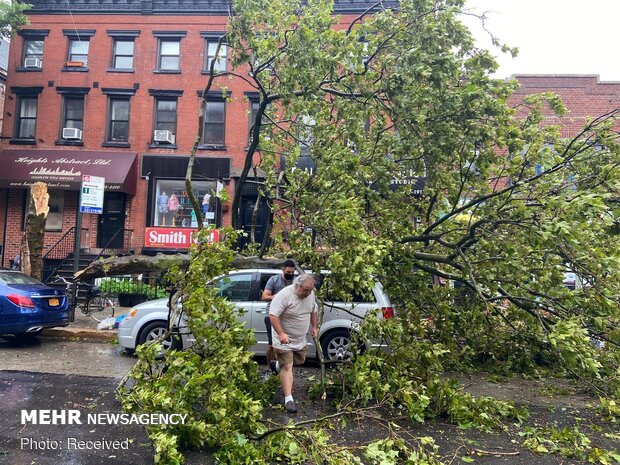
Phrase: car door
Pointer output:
(237, 288)
(260, 312)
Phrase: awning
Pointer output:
(63, 169)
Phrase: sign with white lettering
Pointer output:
(91, 200)
(174, 238)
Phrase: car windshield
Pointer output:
(15, 277)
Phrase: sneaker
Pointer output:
(290, 407)
(275, 366)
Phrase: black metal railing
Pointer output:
(63, 246)
(124, 249)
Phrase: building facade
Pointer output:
(113, 89)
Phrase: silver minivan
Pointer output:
(148, 321)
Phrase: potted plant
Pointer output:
(129, 291)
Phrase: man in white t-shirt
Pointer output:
(292, 312)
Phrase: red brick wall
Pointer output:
(584, 96)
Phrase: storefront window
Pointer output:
(173, 209)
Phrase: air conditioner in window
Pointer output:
(163, 135)
(72, 133)
(31, 62)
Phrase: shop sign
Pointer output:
(174, 238)
(408, 178)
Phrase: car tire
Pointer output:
(336, 346)
(27, 338)
(155, 329)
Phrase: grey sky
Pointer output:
(553, 36)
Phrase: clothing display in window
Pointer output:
(206, 200)
(173, 203)
(162, 203)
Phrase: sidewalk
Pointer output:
(85, 327)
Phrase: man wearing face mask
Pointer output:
(275, 284)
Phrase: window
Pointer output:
(27, 118)
(214, 123)
(33, 51)
(78, 51)
(169, 55)
(73, 113)
(220, 61)
(117, 130)
(123, 54)
(235, 288)
(77, 58)
(166, 114)
(123, 45)
(169, 51)
(254, 105)
(172, 207)
(56, 202)
(118, 119)
(25, 114)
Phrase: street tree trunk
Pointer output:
(32, 249)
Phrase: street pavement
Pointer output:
(66, 375)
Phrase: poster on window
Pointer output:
(57, 207)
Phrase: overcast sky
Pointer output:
(553, 36)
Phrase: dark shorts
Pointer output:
(268, 326)
(288, 357)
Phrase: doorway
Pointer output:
(110, 232)
(248, 204)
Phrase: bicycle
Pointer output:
(98, 304)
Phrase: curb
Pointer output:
(80, 333)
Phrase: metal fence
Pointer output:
(130, 290)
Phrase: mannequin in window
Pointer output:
(173, 207)
(162, 207)
(205, 203)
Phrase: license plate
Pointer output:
(54, 302)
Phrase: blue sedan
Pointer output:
(27, 305)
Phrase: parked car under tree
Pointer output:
(149, 321)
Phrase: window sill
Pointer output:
(166, 71)
(77, 143)
(116, 144)
(212, 147)
(23, 142)
(120, 70)
(74, 69)
(215, 71)
(156, 145)
(29, 70)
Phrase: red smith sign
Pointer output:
(174, 238)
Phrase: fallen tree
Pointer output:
(160, 263)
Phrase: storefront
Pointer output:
(62, 171)
(170, 218)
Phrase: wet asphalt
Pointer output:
(63, 375)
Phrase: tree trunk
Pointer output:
(134, 264)
(38, 209)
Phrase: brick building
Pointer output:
(584, 96)
(113, 89)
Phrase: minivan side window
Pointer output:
(235, 288)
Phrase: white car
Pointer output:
(148, 321)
